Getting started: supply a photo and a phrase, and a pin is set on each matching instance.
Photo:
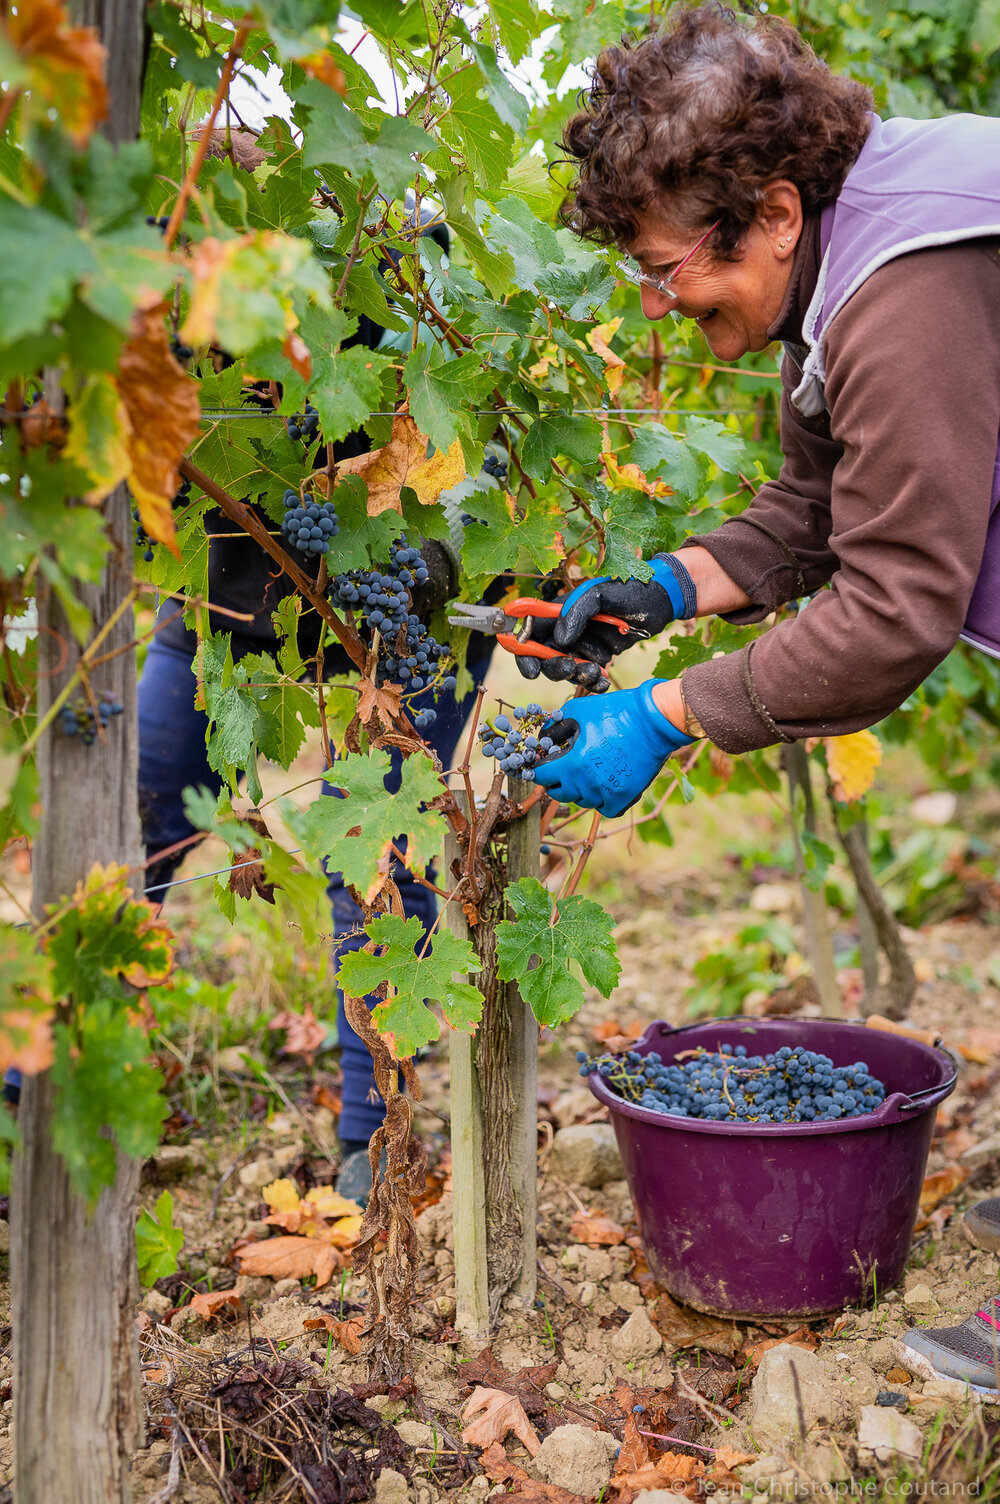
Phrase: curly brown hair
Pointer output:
(697, 117)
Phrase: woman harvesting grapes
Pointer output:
(755, 193)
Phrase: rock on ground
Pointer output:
(792, 1392)
(391, 1487)
(887, 1433)
(577, 1458)
(586, 1154)
(636, 1338)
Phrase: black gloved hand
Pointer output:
(646, 605)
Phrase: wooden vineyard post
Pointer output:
(494, 1118)
(814, 910)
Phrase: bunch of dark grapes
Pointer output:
(517, 748)
(178, 351)
(142, 538)
(408, 655)
(304, 425)
(160, 223)
(728, 1085)
(79, 720)
(309, 525)
(497, 468)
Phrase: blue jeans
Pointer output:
(173, 756)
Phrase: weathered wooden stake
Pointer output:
(814, 909)
(478, 1143)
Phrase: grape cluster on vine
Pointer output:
(142, 538)
(517, 748)
(309, 525)
(78, 719)
(497, 468)
(730, 1085)
(407, 653)
(304, 425)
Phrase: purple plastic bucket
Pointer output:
(782, 1219)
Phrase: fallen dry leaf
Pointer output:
(347, 1332)
(403, 462)
(612, 1029)
(326, 1202)
(633, 1453)
(498, 1467)
(940, 1185)
(525, 1384)
(498, 1414)
(305, 1032)
(682, 1327)
(595, 1229)
(530, 1491)
(66, 64)
(289, 1258)
(729, 1457)
(938, 1218)
(957, 1141)
(981, 1045)
(211, 1302)
(281, 1195)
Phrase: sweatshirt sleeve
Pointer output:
(778, 549)
(913, 383)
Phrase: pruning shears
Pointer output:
(511, 624)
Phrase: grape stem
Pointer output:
(201, 150)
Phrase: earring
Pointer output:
(781, 245)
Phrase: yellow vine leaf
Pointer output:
(281, 1196)
(851, 762)
(403, 462)
(629, 477)
(599, 340)
(62, 65)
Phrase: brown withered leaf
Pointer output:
(670, 1470)
(347, 1332)
(66, 64)
(526, 1384)
(161, 403)
(497, 1414)
(403, 462)
(939, 1185)
(530, 1491)
(305, 1032)
(297, 353)
(289, 1258)
(679, 1326)
(730, 1457)
(321, 66)
(42, 425)
(26, 1039)
(381, 704)
(246, 875)
(596, 1229)
(957, 1141)
(209, 1303)
(633, 1453)
(498, 1467)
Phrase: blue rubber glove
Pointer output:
(615, 745)
(646, 605)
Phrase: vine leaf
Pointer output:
(157, 1240)
(107, 938)
(357, 830)
(26, 1006)
(537, 953)
(62, 66)
(404, 1018)
(498, 1414)
(490, 549)
(852, 761)
(599, 339)
(404, 462)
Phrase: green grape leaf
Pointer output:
(43, 258)
(106, 937)
(404, 1018)
(345, 387)
(510, 106)
(493, 543)
(362, 539)
(357, 831)
(192, 64)
(574, 434)
(335, 137)
(488, 144)
(157, 1241)
(440, 388)
(536, 953)
(631, 528)
(723, 447)
(106, 1096)
(663, 455)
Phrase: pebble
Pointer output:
(919, 1297)
(793, 1392)
(257, 1174)
(981, 1154)
(577, 1458)
(391, 1487)
(888, 1434)
(415, 1433)
(586, 1154)
(171, 1161)
(636, 1339)
(898, 1375)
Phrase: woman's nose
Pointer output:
(655, 305)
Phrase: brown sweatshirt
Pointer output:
(886, 497)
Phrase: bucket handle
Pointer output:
(915, 1100)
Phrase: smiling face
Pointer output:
(734, 303)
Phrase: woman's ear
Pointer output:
(780, 217)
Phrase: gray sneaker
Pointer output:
(969, 1352)
(981, 1224)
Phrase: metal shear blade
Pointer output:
(481, 618)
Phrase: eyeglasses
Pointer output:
(632, 272)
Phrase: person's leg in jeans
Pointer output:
(363, 1108)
